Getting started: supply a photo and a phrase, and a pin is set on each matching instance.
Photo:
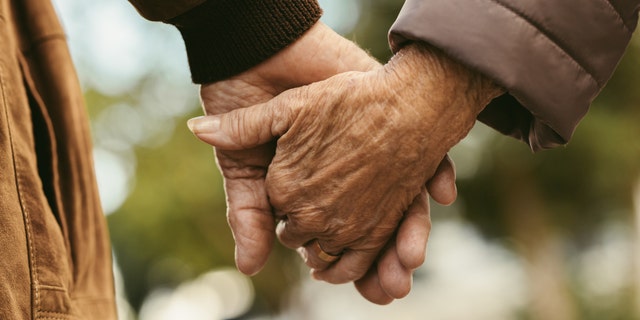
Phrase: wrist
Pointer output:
(441, 76)
(319, 54)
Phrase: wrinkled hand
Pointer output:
(354, 152)
(253, 224)
(249, 213)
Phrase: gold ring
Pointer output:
(323, 255)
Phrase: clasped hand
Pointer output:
(340, 163)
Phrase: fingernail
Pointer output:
(202, 124)
(192, 123)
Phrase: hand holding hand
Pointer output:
(355, 150)
(391, 277)
(250, 217)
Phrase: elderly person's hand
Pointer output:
(325, 54)
(249, 213)
(355, 150)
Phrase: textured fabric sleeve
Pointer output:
(553, 57)
(226, 37)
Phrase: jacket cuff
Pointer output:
(226, 37)
(552, 69)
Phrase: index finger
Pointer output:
(353, 265)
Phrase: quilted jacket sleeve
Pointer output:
(553, 57)
(226, 37)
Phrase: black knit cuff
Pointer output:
(226, 37)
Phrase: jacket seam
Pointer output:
(56, 316)
(94, 299)
(53, 315)
(620, 18)
(33, 272)
(556, 40)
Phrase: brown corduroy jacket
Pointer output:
(552, 56)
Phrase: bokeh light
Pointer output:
(218, 294)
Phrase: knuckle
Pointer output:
(283, 111)
(283, 194)
(277, 191)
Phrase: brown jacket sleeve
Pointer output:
(226, 37)
(552, 56)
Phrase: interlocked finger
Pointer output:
(353, 265)
(316, 257)
(370, 288)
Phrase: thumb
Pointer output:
(244, 128)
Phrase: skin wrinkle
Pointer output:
(256, 201)
(253, 239)
(296, 238)
(236, 170)
(330, 225)
(372, 223)
(380, 174)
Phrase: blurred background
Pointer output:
(547, 236)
